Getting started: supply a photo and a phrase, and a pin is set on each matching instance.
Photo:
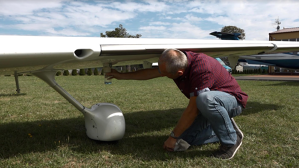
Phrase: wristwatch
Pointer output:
(172, 135)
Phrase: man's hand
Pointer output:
(169, 144)
(113, 74)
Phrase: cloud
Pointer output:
(159, 23)
(146, 6)
(21, 7)
(153, 28)
(154, 18)
(152, 31)
(183, 30)
(187, 30)
(193, 18)
(46, 17)
(66, 31)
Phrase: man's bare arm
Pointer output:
(185, 122)
(187, 117)
(142, 74)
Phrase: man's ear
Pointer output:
(180, 72)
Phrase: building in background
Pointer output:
(285, 34)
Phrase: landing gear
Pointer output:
(103, 122)
(17, 82)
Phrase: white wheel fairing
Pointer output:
(104, 122)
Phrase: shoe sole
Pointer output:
(238, 129)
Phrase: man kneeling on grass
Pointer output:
(214, 99)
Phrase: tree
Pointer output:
(233, 29)
(74, 72)
(82, 72)
(58, 73)
(66, 73)
(96, 71)
(89, 72)
(119, 32)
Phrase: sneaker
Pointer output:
(237, 129)
(228, 152)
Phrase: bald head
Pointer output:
(174, 60)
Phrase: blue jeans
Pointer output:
(213, 123)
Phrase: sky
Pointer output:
(183, 19)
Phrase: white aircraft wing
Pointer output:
(31, 53)
(42, 56)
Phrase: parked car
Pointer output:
(224, 65)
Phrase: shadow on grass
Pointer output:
(143, 137)
(149, 148)
(38, 136)
(256, 107)
(13, 94)
(143, 140)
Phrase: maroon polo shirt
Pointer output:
(205, 72)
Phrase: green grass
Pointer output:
(41, 129)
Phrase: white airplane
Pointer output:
(43, 56)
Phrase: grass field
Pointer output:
(41, 129)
